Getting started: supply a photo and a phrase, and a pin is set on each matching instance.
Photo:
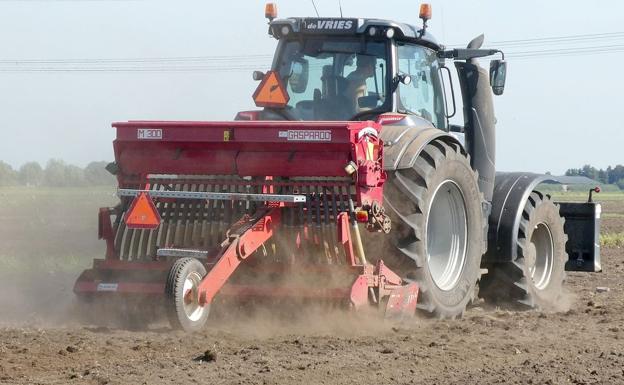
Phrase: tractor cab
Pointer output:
(355, 69)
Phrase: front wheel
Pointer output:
(182, 289)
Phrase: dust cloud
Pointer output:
(36, 300)
(47, 237)
(50, 236)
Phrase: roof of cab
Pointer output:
(402, 31)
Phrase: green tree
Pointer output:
(74, 176)
(30, 174)
(602, 176)
(616, 174)
(610, 175)
(96, 175)
(573, 172)
(590, 172)
(54, 174)
(8, 176)
(59, 174)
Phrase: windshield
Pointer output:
(334, 79)
(423, 96)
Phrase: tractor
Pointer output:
(348, 185)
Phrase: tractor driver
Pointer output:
(356, 80)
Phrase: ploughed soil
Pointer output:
(582, 342)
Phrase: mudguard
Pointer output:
(582, 223)
(511, 191)
(403, 143)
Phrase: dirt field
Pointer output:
(41, 343)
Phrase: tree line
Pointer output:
(610, 175)
(56, 173)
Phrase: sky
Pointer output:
(557, 112)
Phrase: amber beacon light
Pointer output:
(425, 12)
(270, 11)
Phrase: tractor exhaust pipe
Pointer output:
(480, 122)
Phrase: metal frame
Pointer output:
(181, 253)
(255, 150)
(370, 283)
(214, 196)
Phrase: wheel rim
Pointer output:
(190, 298)
(446, 235)
(542, 253)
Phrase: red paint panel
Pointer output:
(91, 287)
(252, 124)
(255, 148)
(111, 264)
(292, 163)
(105, 231)
(240, 131)
(402, 302)
(173, 161)
(234, 253)
(359, 292)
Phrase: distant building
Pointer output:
(566, 181)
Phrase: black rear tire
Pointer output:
(188, 316)
(438, 234)
(535, 278)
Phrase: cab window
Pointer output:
(334, 79)
(423, 96)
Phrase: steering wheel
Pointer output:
(283, 112)
(360, 114)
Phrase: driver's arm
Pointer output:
(356, 88)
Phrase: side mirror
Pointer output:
(258, 75)
(298, 79)
(498, 72)
(405, 79)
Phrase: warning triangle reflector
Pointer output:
(142, 213)
(271, 92)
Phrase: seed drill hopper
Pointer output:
(199, 200)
